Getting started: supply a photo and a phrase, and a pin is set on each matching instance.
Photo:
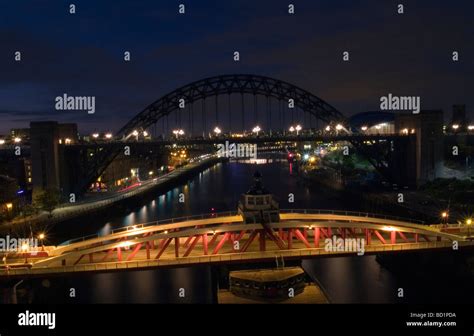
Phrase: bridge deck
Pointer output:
(227, 239)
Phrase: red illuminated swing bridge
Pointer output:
(225, 238)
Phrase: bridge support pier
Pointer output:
(317, 233)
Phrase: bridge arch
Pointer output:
(229, 84)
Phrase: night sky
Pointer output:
(82, 54)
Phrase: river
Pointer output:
(344, 280)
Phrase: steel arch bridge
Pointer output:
(200, 90)
(229, 84)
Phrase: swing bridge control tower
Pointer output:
(258, 205)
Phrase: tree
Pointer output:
(48, 200)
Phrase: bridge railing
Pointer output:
(351, 213)
(233, 213)
(154, 223)
(176, 220)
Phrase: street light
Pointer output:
(339, 127)
(17, 140)
(470, 127)
(455, 126)
(217, 130)
(256, 129)
(108, 136)
(41, 237)
(444, 216)
(178, 132)
(95, 135)
(328, 128)
(298, 128)
(468, 223)
(145, 133)
(2, 141)
(364, 128)
(292, 129)
(135, 134)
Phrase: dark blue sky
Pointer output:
(82, 54)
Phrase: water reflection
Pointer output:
(349, 279)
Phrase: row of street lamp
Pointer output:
(217, 130)
(256, 129)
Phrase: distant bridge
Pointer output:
(245, 139)
(224, 238)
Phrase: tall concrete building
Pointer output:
(44, 155)
(428, 128)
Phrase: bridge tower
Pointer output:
(45, 155)
(257, 205)
(426, 152)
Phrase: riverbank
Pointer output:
(96, 207)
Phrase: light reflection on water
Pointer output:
(348, 279)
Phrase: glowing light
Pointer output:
(17, 140)
(364, 128)
(217, 130)
(306, 156)
(150, 173)
(125, 244)
(444, 214)
(469, 221)
(135, 133)
(41, 236)
(339, 127)
(389, 228)
(67, 141)
(24, 247)
(292, 129)
(145, 133)
(9, 206)
(298, 128)
(455, 126)
(95, 135)
(108, 136)
(256, 129)
(405, 131)
(2, 141)
(328, 128)
(470, 127)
